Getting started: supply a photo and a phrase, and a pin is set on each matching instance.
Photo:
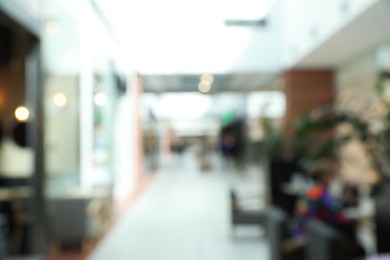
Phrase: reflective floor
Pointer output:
(184, 215)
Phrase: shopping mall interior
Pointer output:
(181, 130)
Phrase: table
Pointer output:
(9, 194)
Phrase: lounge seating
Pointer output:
(242, 215)
(279, 174)
(278, 233)
(324, 243)
(382, 220)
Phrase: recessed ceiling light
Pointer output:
(207, 79)
(52, 27)
(204, 88)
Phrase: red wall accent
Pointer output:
(306, 89)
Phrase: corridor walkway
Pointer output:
(184, 215)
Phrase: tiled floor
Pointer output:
(184, 215)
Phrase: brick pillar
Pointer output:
(305, 90)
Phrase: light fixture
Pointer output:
(60, 99)
(22, 113)
(100, 99)
(204, 88)
(247, 11)
(207, 79)
(52, 27)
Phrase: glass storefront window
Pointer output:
(61, 61)
(104, 101)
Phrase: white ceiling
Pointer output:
(172, 42)
(190, 37)
(366, 31)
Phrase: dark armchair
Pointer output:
(242, 215)
(324, 243)
(278, 233)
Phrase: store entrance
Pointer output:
(20, 151)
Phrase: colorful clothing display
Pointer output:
(320, 204)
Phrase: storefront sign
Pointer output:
(25, 12)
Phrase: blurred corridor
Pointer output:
(182, 129)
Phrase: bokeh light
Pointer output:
(22, 113)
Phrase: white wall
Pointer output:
(125, 145)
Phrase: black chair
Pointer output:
(69, 226)
(240, 215)
(4, 230)
(279, 174)
(278, 234)
(324, 242)
(382, 220)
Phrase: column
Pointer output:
(305, 90)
